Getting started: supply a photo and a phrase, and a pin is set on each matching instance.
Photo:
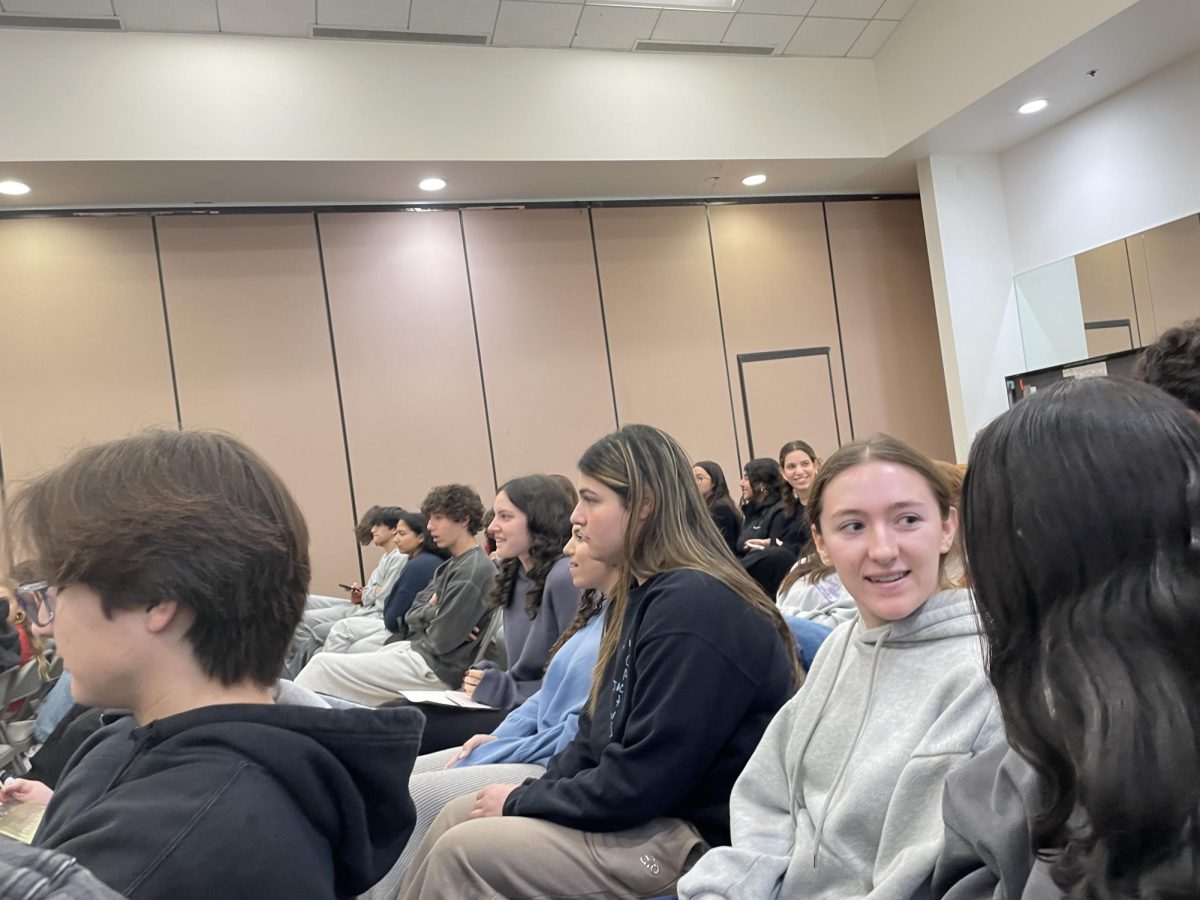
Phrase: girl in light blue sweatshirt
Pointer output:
(842, 798)
(522, 745)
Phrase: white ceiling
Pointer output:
(813, 28)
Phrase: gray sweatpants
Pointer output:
(519, 858)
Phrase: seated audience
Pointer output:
(355, 634)
(1172, 364)
(694, 662)
(321, 613)
(435, 644)
(522, 745)
(535, 596)
(841, 798)
(799, 464)
(1090, 612)
(176, 567)
(710, 479)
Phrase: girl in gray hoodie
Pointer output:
(842, 797)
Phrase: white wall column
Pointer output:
(966, 229)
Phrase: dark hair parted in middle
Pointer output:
(548, 517)
(456, 502)
(1081, 510)
(191, 516)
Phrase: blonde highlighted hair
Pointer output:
(649, 471)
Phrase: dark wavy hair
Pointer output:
(1172, 363)
(1081, 509)
(547, 512)
(764, 472)
(456, 502)
(719, 495)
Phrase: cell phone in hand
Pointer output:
(346, 587)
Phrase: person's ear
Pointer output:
(949, 530)
(162, 615)
(822, 552)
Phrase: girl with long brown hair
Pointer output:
(694, 662)
(842, 797)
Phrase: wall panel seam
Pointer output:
(487, 419)
(612, 384)
(837, 314)
(162, 292)
(712, 253)
(337, 384)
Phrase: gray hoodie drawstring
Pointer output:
(862, 724)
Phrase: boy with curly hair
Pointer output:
(435, 644)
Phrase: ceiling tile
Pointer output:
(390, 14)
(692, 25)
(825, 37)
(453, 16)
(60, 7)
(613, 27)
(181, 15)
(777, 7)
(895, 9)
(284, 18)
(846, 9)
(874, 36)
(536, 24)
(762, 31)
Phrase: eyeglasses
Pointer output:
(37, 601)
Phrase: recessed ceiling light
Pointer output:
(753, 180)
(13, 188)
(1032, 106)
(432, 184)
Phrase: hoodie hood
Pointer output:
(947, 614)
(346, 770)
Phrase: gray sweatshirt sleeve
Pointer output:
(761, 825)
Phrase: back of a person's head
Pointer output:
(1081, 511)
(1172, 364)
(191, 516)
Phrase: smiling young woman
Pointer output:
(897, 696)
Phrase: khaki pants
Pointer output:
(518, 858)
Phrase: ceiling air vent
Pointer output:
(401, 37)
(74, 23)
(672, 47)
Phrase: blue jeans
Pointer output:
(809, 636)
(55, 705)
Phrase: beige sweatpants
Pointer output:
(370, 678)
(518, 858)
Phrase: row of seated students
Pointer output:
(674, 742)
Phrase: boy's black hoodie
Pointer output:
(240, 801)
(697, 677)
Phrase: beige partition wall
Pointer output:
(1172, 254)
(411, 390)
(541, 336)
(772, 265)
(252, 356)
(664, 328)
(84, 353)
(893, 359)
(1106, 294)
